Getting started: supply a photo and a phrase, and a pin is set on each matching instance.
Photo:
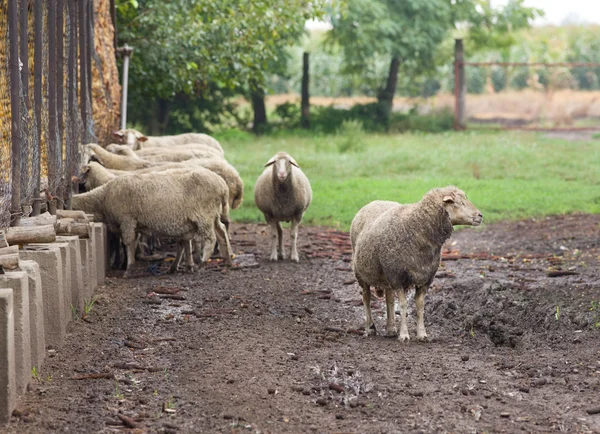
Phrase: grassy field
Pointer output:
(507, 175)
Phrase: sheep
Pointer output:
(397, 246)
(137, 140)
(181, 204)
(218, 165)
(174, 154)
(94, 175)
(114, 161)
(283, 193)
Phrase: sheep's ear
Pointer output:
(448, 199)
(118, 134)
(270, 162)
(142, 138)
(95, 158)
(293, 163)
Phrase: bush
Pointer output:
(352, 136)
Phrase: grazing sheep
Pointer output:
(283, 193)
(94, 175)
(398, 246)
(114, 161)
(181, 204)
(172, 155)
(218, 165)
(137, 140)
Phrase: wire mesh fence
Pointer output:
(47, 66)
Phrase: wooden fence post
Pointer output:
(305, 105)
(460, 88)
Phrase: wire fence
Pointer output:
(47, 63)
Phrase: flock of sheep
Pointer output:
(182, 187)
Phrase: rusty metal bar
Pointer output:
(37, 99)
(52, 124)
(24, 52)
(83, 64)
(557, 64)
(15, 105)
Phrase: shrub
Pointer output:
(351, 136)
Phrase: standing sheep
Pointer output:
(399, 246)
(137, 140)
(178, 204)
(283, 193)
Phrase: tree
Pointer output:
(193, 47)
(409, 33)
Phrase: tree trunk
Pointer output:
(260, 111)
(305, 106)
(386, 96)
(160, 117)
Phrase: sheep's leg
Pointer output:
(370, 328)
(178, 255)
(420, 302)
(294, 239)
(189, 258)
(280, 248)
(223, 240)
(403, 307)
(129, 238)
(274, 241)
(391, 313)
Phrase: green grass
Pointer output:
(507, 175)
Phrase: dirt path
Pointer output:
(276, 349)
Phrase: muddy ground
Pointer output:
(277, 348)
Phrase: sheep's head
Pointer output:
(121, 150)
(459, 208)
(282, 163)
(130, 137)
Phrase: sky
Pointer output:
(559, 11)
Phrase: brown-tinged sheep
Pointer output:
(283, 193)
(137, 140)
(399, 246)
(177, 204)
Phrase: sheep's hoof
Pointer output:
(371, 331)
(273, 257)
(295, 258)
(391, 334)
(423, 338)
(190, 269)
(404, 337)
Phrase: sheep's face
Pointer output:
(282, 165)
(130, 137)
(461, 210)
(120, 150)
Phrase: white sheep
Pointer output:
(114, 161)
(180, 204)
(173, 155)
(283, 193)
(137, 140)
(399, 246)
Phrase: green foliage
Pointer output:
(507, 175)
(352, 136)
(203, 47)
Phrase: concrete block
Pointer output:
(36, 311)
(65, 253)
(19, 283)
(51, 270)
(76, 271)
(99, 243)
(8, 379)
(86, 265)
(93, 259)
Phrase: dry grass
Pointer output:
(558, 108)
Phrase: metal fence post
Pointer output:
(83, 64)
(460, 88)
(15, 104)
(52, 120)
(37, 100)
(126, 51)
